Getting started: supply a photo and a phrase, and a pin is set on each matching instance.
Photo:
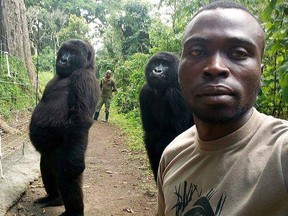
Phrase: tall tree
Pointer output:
(126, 29)
(14, 35)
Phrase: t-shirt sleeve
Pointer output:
(160, 195)
(284, 160)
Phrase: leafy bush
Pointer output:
(273, 98)
(129, 79)
(45, 61)
(130, 124)
(44, 78)
(16, 92)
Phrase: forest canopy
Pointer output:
(126, 33)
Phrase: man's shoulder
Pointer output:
(181, 142)
(274, 123)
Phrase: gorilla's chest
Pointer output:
(53, 106)
(57, 91)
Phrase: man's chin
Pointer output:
(220, 116)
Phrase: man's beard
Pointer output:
(220, 119)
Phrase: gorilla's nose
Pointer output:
(157, 70)
(64, 59)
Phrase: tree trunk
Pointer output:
(14, 36)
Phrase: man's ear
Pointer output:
(262, 68)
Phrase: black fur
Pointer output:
(60, 124)
(164, 113)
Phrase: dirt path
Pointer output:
(116, 181)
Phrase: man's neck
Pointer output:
(210, 131)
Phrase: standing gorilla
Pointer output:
(60, 124)
(164, 113)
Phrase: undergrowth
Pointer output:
(130, 124)
(16, 92)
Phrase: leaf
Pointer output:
(284, 81)
(268, 10)
(285, 93)
(266, 13)
(275, 47)
(284, 69)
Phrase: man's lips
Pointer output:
(214, 90)
(215, 94)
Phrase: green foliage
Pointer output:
(131, 31)
(84, 8)
(273, 98)
(163, 38)
(130, 79)
(76, 29)
(43, 27)
(45, 61)
(166, 34)
(284, 79)
(44, 78)
(130, 124)
(126, 31)
(133, 24)
(16, 93)
(52, 22)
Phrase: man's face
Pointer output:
(108, 74)
(220, 66)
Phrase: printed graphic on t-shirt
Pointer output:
(192, 194)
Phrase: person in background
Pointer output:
(107, 86)
(234, 160)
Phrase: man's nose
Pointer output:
(216, 66)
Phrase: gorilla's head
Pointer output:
(74, 54)
(162, 70)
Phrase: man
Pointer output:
(107, 86)
(234, 161)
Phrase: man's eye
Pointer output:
(239, 54)
(196, 52)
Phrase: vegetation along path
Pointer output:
(116, 181)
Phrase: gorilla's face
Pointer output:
(72, 55)
(162, 70)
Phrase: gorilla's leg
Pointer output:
(49, 168)
(71, 190)
(154, 155)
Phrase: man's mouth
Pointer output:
(215, 94)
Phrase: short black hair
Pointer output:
(227, 5)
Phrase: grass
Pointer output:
(44, 78)
(131, 126)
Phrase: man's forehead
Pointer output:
(222, 18)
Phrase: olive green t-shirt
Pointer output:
(242, 174)
(107, 87)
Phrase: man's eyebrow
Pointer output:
(242, 41)
(232, 40)
(198, 39)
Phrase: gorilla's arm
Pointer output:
(84, 93)
(180, 116)
(146, 100)
(82, 98)
(73, 152)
